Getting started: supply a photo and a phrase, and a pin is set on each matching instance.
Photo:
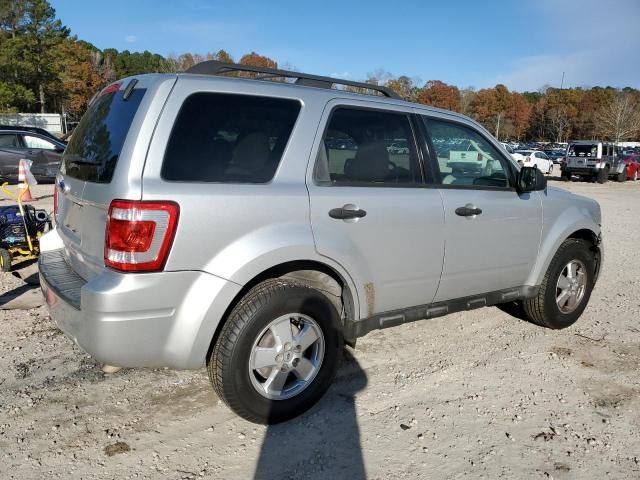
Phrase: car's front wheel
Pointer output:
(277, 353)
(566, 287)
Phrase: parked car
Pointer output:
(204, 220)
(556, 156)
(594, 161)
(516, 156)
(632, 163)
(17, 144)
(38, 130)
(536, 159)
(398, 147)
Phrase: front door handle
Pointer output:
(468, 211)
(346, 212)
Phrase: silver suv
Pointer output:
(254, 226)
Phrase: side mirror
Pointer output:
(531, 179)
(59, 150)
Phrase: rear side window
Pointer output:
(96, 143)
(367, 147)
(228, 138)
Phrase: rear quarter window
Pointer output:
(229, 138)
(96, 143)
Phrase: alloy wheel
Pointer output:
(571, 286)
(286, 356)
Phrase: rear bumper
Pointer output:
(164, 319)
(580, 170)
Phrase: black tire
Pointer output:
(515, 309)
(603, 175)
(566, 176)
(543, 309)
(622, 176)
(228, 363)
(5, 260)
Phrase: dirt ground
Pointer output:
(477, 394)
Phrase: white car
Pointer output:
(537, 159)
(516, 156)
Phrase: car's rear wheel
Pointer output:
(603, 175)
(566, 287)
(277, 353)
(622, 176)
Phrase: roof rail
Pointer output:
(214, 67)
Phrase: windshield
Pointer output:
(583, 150)
(95, 145)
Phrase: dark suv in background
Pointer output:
(18, 143)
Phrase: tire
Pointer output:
(603, 175)
(246, 331)
(544, 309)
(5, 260)
(622, 176)
(566, 176)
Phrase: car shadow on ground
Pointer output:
(325, 441)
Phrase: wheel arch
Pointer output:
(582, 230)
(320, 276)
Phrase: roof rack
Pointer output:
(214, 67)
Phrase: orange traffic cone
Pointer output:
(23, 179)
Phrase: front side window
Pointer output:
(367, 147)
(36, 142)
(228, 138)
(464, 157)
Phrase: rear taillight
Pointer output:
(139, 235)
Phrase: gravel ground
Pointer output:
(477, 394)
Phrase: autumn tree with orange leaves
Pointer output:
(439, 94)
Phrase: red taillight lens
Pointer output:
(139, 235)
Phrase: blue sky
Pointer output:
(523, 44)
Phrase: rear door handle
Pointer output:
(346, 212)
(468, 211)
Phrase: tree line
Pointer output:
(43, 68)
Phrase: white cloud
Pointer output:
(591, 41)
(130, 39)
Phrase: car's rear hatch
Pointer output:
(104, 160)
(582, 155)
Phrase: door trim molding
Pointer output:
(424, 312)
